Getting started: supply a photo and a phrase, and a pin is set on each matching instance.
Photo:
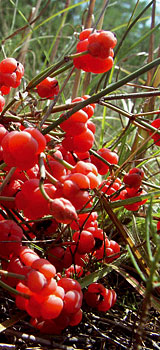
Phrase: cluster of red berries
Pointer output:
(99, 45)
(70, 191)
(79, 129)
(47, 299)
(112, 188)
(48, 292)
(11, 73)
(99, 297)
(89, 243)
(48, 88)
(133, 181)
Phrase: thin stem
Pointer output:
(131, 96)
(13, 291)
(42, 177)
(56, 98)
(53, 68)
(96, 97)
(63, 162)
(11, 274)
(7, 178)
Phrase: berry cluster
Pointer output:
(82, 129)
(99, 45)
(88, 244)
(11, 73)
(72, 174)
(47, 299)
(111, 188)
(133, 181)
(99, 297)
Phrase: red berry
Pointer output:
(45, 267)
(48, 88)
(85, 241)
(62, 210)
(155, 136)
(108, 155)
(2, 102)
(36, 281)
(51, 307)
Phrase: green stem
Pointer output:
(2, 166)
(96, 97)
(7, 178)
(132, 200)
(42, 177)
(4, 198)
(52, 179)
(63, 162)
(12, 274)
(135, 264)
(10, 104)
(102, 159)
(61, 70)
(131, 95)
(53, 68)
(49, 110)
(13, 291)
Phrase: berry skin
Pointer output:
(62, 210)
(138, 171)
(36, 281)
(11, 72)
(85, 34)
(100, 297)
(21, 302)
(155, 136)
(3, 132)
(132, 180)
(72, 301)
(20, 149)
(10, 190)
(85, 241)
(2, 103)
(69, 284)
(45, 267)
(5, 90)
(10, 231)
(90, 63)
(158, 227)
(109, 299)
(36, 134)
(47, 88)
(51, 307)
(31, 200)
(107, 39)
(27, 256)
(133, 192)
(108, 155)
